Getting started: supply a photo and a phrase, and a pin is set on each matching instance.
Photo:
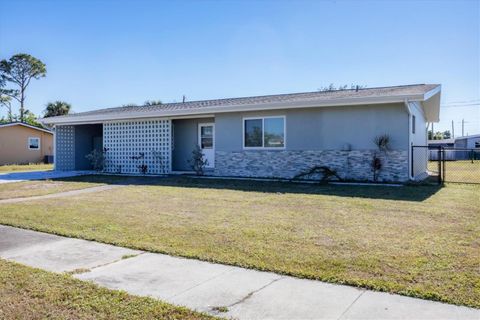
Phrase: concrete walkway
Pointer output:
(62, 194)
(247, 294)
(39, 175)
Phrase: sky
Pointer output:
(109, 53)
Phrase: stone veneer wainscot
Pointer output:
(350, 165)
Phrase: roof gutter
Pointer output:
(407, 107)
(410, 144)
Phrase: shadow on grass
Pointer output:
(405, 193)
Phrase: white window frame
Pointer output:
(39, 143)
(199, 134)
(263, 133)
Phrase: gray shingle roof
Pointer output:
(324, 96)
(17, 123)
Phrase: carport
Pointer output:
(88, 137)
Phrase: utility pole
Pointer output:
(453, 130)
(463, 126)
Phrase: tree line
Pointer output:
(16, 74)
(439, 135)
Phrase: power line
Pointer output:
(459, 105)
(460, 102)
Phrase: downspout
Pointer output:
(54, 148)
(409, 152)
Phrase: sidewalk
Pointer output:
(62, 194)
(10, 177)
(203, 286)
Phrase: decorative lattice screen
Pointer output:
(64, 148)
(131, 144)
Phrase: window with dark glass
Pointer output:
(206, 137)
(33, 143)
(413, 124)
(253, 133)
(264, 132)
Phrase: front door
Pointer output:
(206, 137)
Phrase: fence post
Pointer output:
(411, 163)
(443, 165)
(439, 165)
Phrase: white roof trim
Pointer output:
(25, 125)
(432, 92)
(236, 108)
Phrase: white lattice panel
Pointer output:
(130, 144)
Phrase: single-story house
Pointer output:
(464, 142)
(276, 136)
(468, 142)
(21, 143)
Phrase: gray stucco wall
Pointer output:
(317, 137)
(84, 135)
(185, 139)
(323, 128)
(419, 138)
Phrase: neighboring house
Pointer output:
(461, 148)
(468, 142)
(467, 147)
(275, 136)
(21, 143)
(465, 142)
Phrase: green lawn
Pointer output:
(415, 240)
(25, 167)
(463, 171)
(28, 293)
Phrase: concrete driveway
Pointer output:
(203, 286)
(39, 175)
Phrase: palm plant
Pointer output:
(57, 108)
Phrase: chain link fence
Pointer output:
(441, 164)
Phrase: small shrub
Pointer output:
(198, 161)
(143, 168)
(376, 165)
(158, 158)
(382, 142)
(97, 159)
(383, 145)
